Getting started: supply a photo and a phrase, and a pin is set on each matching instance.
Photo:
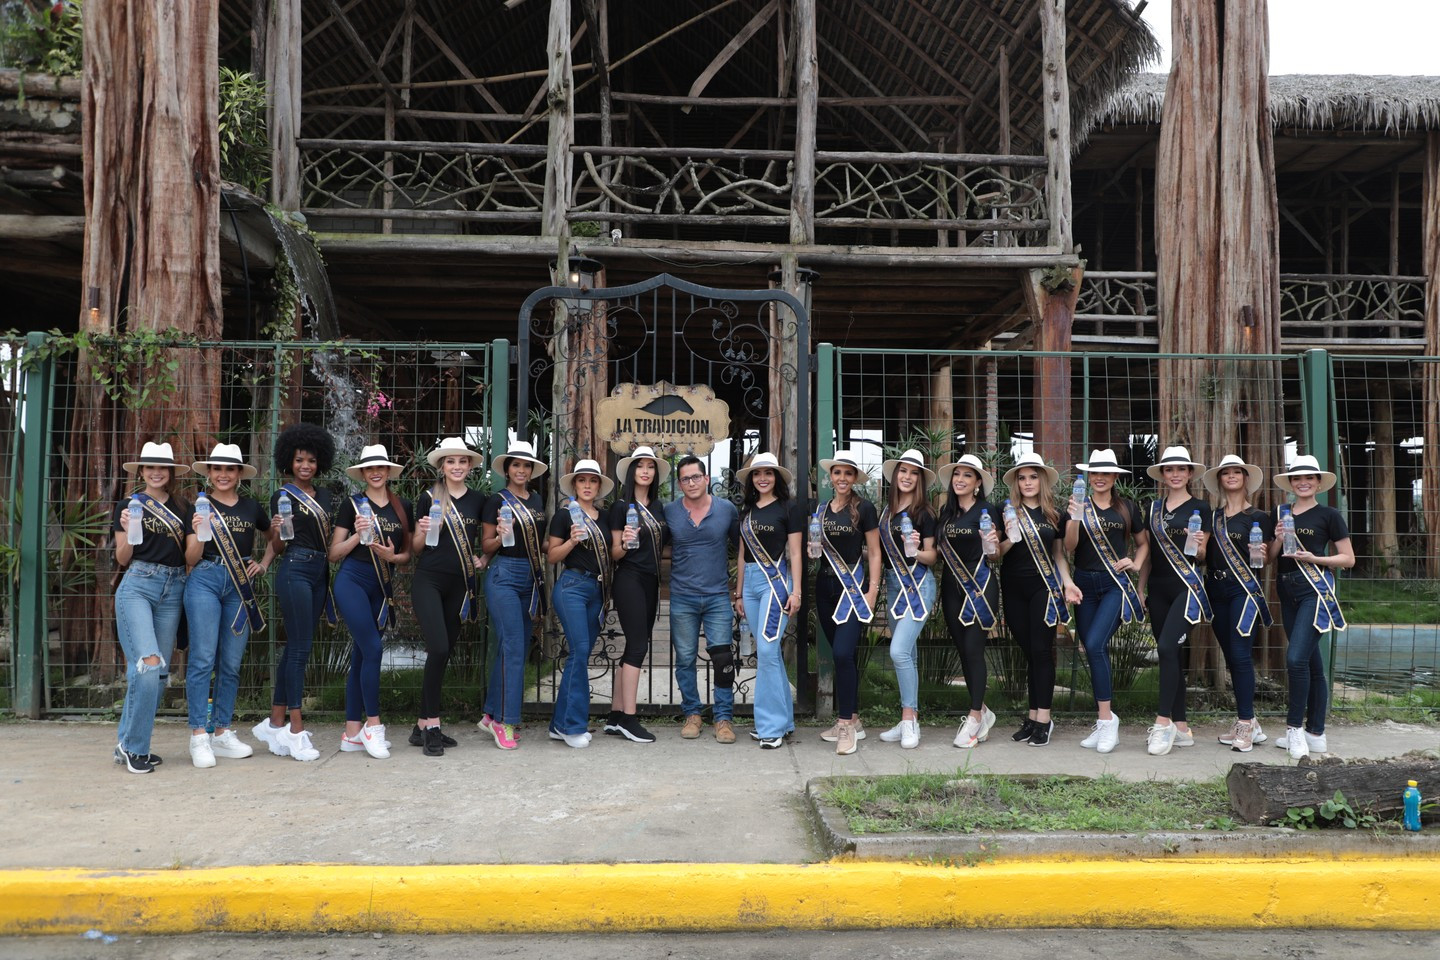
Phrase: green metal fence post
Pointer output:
(1317, 394)
(499, 385)
(31, 629)
(824, 450)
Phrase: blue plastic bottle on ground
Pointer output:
(1411, 798)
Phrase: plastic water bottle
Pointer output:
(1257, 546)
(1011, 521)
(507, 517)
(135, 532)
(577, 519)
(437, 520)
(1411, 798)
(287, 517)
(987, 527)
(907, 528)
(814, 544)
(202, 510)
(1290, 543)
(747, 639)
(1192, 534)
(367, 536)
(632, 528)
(1077, 493)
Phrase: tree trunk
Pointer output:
(1430, 470)
(1387, 537)
(1263, 792)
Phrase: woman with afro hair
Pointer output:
(303, 452)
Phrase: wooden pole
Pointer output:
(802, 199)
(1430, 469)
(560, 87)
(282, 101)
(1051, 297)
(1056, 85)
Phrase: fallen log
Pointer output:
(1260, 793)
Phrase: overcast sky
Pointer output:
(1333, 36)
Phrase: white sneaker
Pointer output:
(1089, 742)
(987, 722)
(1295, 743)
(1109, 737)
(909, 734)
(1184, 738)
(373, 738)
(969, 734)
(351, 746)
(1316, 744)
(296, 745)
(229, 746)
(893, 734)
(200, 753)
(1160, 738)
(267, 735)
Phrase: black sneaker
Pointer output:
(1026, 729)
(631, 729)
(417, 737)
(434, 742)
(1040, 736)
(613, 726)
(771, 743)
(154, 758)
(135, 763)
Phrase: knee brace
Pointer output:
(723, 660)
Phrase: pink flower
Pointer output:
(379, 402)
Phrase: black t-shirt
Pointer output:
(387, 526)
(307, 528)
(848, 538)
(158, 546)
(772, 525)
(925, 524)
(1237, 528)
(641, 559)
(244, 520)
(1018, 561)
(1176, 523)
(491, 515)
(583, 555)
(444, 556)
(1316, 529)
(962, 531)
(1112, 521)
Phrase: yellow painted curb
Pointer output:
(1396, 894)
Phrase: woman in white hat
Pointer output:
(1108, 528)
(1308, 605)
(372, 535)
(846, 587)
(1171, 588)
(1035, 585)
(636, 550)
(150, 598)
(767, 593)
(580, 539)
(970, 595)
(909, 585)
(303, 452)
(444, 590)
(220, 604)
(513, 525)
(1233, 565)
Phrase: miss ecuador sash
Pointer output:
(852, 599)
(529, 535)
(1255, 606)
(382, 570)
(455, 524)
(908, 603)
(234, 565)
(173, 525)
(1055, 602)
(599, 546)
(322, 519)
(1197, 604)
(1130, 607)
(776, 575)
(976, 608)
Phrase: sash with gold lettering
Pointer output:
(173, 525)
(455, 524)
(322, 519)
(598, 544)
(1197, 604)
(976, 609)
(777, 575)
(1327, 611)
(909, 602)
(234, 565)
(1130, 607)
(528, 534)
(852, 598)
(657, 533)
(1030, 533)
(382, 569)
(1255, 606)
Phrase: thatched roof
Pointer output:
(1387, 104)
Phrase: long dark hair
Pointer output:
(951, 509)
(627, 489)
(752, 496)
(920, 508)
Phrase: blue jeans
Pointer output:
(300, 580)
(211, 606)
(774, 708)
(358, 600)
(905, 634)
(578, 601)
(1304, 666)
(687, 613)
(1098, 617)
(1227, 599)
(147, 614)
(507, 597)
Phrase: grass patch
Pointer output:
(1390, 601)
(963, 803)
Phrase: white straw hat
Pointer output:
(1102, 461)
(1172, 457)
(1254, 476)
(225, 455)
(519, 450)
(586, 468)
(156, 455)
(662, 466)
(1031, 459)
(1301, 466)
(914, 459)
(947, 472)
(844, 458)
(374, 455)
(764, 461)
(452, 447)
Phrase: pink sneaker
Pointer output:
(504, 734)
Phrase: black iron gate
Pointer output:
(576, 343)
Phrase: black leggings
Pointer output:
(636, 597)
(437, 598)
(1025, 601)
(844, 645)
(969, 641)
(1166, 605)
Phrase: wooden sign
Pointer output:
(673, 420)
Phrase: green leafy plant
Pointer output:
(48, 40)
(244, 144)
(1335, 812)
(136, 369)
